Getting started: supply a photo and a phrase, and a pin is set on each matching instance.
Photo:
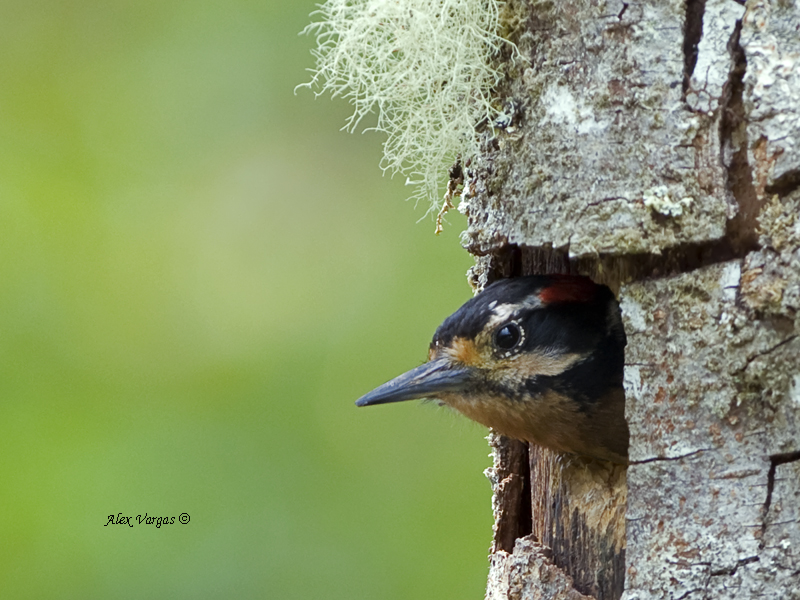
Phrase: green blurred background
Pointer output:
(199, 276)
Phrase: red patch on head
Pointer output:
(568, 288)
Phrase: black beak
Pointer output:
(427, 380)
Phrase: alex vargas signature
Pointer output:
(146, 519)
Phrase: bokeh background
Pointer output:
(199, 274)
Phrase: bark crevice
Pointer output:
(785, 184)
(653, 459)
(692, 33)
(732, 572)
(775, 461)
(741, 228)
(769, 350)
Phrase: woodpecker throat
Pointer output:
(537, 358)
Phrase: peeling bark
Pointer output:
(655, 146)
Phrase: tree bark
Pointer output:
(655, 146)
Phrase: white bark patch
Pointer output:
(633, 315)
(634, 383)
(560, 105)
(729, 281)
(563, 109)
(794, 390)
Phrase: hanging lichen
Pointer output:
(422, 66)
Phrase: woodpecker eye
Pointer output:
(508, 336)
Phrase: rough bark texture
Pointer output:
(711, 411)
(655, 146)
(528, 572)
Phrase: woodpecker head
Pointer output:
(537, 358)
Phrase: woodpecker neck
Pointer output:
(553, 420)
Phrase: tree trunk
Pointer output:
(655, 146)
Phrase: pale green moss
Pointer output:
(423, 66)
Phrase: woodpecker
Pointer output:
(536, 358)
